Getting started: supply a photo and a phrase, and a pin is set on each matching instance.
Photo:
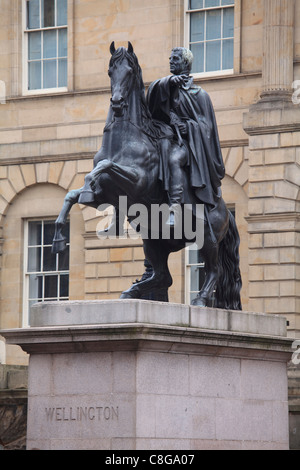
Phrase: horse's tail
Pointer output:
(229, 282)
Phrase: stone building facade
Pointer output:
(50, 131)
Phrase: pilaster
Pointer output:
(273, 126)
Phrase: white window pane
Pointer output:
(62, 72)
(62, 12)
(35, 233)
(196, 4)
(213, 24)
(212, 3)
(48, 13)
(197, 278)
(227, 54)
(34, 259)
(193, 254)
(62, 43)
(227, 2)
(49, 44)
(33, 14)
(198, 53)
(213, 56)
(34, 75)
(34, 46)
(228, 23)
(35, 286)
(197, 27)
(194, 280)
(49, 72)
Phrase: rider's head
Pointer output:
(181, 61)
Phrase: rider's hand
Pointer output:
(183, 128)
(177, 80)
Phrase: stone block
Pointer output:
(292, 174)
(16, 179)
(96, 285)
(234, 161)
(242, 174)
(261, 142)
(266, 173)
(42, 171)
(96, 256)
(3, 172)
(133, 374)
(121, 254)
(55, 169)
(276, 156)
(6, 190)
(290, 139)
(29, 175)
(17, 379)
(264, 256)
(67, 174)
(256, 158)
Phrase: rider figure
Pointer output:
(177, 101)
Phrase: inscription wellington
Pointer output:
(82, 413)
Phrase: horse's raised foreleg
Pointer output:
(158, 283)
(59, 241)
(125, 177)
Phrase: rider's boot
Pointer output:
(175, 195)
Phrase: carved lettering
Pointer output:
(82, 413)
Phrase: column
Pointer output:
(278, 49)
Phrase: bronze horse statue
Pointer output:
(127, 164)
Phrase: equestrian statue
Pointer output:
(163, 149)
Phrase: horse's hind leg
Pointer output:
(59, 241)
(155, 286)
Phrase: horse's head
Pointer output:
(124, 71)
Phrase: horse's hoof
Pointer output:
(199, 302)
(126, 295)
(58, 246)
(86, 197)
(131, 294)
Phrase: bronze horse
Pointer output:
(127, 164)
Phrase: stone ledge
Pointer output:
(102, 312)
(137, 326)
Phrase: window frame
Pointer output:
(25, 65)
(27, 273)
(187, 23)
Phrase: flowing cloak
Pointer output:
(193, 106)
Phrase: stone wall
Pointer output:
(13, 407)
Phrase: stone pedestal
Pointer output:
(133, 374)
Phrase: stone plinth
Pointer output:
(147, 375)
